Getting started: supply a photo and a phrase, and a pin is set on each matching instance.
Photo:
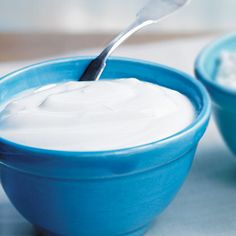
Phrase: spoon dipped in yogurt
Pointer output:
(153, 12)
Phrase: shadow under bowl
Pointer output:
(224, 98)
(117, 192)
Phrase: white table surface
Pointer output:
(206, 204)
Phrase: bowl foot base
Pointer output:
(138, 232)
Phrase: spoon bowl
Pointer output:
(156, 10)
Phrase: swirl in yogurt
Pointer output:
(95, 116)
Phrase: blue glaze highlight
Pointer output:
(118, 192)
(224, 98)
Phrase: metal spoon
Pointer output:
(152, 12)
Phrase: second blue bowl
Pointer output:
(224, 99)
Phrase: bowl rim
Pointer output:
(200, 71)
(199, 121)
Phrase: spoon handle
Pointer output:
(96, 67)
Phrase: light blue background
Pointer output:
(109, 16)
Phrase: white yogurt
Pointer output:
(226, 75)
(95, 116)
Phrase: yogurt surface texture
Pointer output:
(226, 75)
(95, 116)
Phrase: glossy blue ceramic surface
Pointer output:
(224, 99)
(106, 193)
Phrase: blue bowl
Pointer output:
(117, 192)
(224, 99)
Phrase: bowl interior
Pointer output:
(208, 61)
(72, 68)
